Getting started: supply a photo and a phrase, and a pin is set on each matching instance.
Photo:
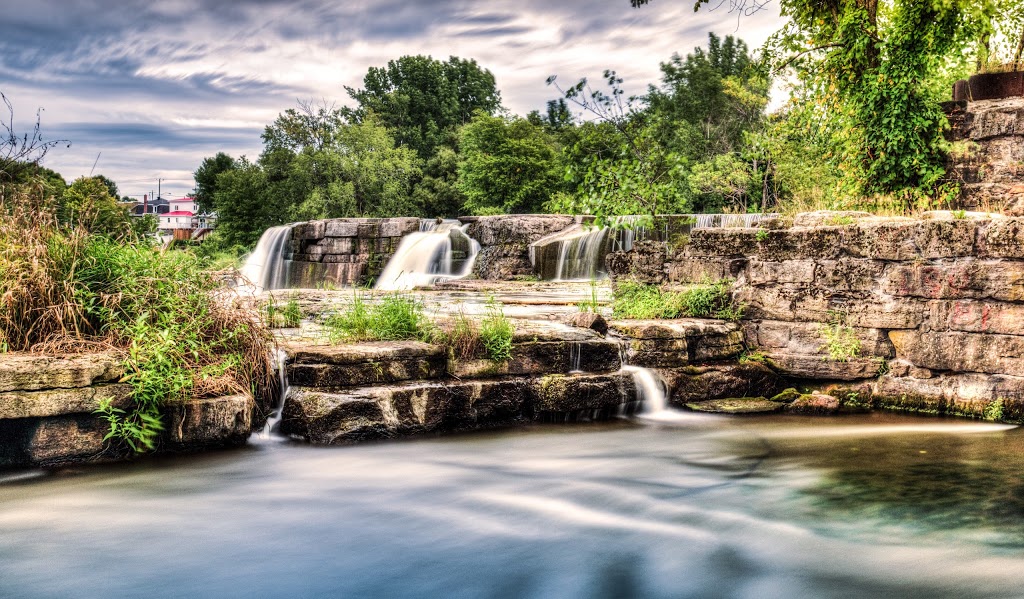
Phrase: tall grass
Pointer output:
(395, 317)
(62, 289)
(643, 301)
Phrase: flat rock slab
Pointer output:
(679, 328)
(55, 402)
(319, 352)
(737, 405)
(30, 372)
(204, 423)
(545, 357)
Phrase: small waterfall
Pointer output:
(575, 356)
(265, 268)
(440, 250)
(651, 390)
(274, 419)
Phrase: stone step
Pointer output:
(316, 364)
(30, 372)
(340, 415)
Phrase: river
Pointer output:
(696, 506)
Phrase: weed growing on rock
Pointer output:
(496, 332)
(841, 341)
(591, 304)
(707, 300)
(994, 410)
(460, 335)
(395, 317)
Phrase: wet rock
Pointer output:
(719, 381)
(561, 394)
(737, 405)
(323, 417)
(644, 264)
(678, 342)
(815, 367)
(316, 365)
(815, 404)
(204, 423)
(544, 357)
(588, 320)
(956, 394)
(787, 396)
(505, 242)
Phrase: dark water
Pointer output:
(872, 506)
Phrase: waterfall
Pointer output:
(440, 250)
(265, 268)
(274, 419)
(651, 390)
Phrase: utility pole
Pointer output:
(158, 192)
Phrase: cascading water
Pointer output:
(274, 420)
(265, 268)
(579, 252)
(440, 250)
(651, 390)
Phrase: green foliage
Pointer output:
(841, 341)
(460, 335)
(959, 214)
(507, 165)
(994, 410)
(761, 235)
(395, 317)
(206, 179)
(496, 332)
(289, 317)
(643, 301)
(87, 202)
(591, 304)
(421, 100)
(248, 203)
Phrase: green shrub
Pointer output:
(496, 332)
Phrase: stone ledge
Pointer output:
(56, 402)
(31, 372)
(814, 367)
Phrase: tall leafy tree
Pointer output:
(206, 179)
(507, 165)
(421, 100)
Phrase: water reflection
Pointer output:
(701, 507)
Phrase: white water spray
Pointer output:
(274, 420)
(429, 255)
(265, 268)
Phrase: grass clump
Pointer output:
(496, 332)
(642, 301)
(63, 289)
(590, 304)
(461, 336)
(288, 317)
(396, 317)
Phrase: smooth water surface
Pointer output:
(699, 506)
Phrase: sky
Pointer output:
(145, 89)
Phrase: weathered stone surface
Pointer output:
(684, 269)
(797, 304)
(28, 372)
(678, 342)
(827, 217)
(719, 381)
(588, 320)
(946, 238)
(958, 394)
(740, 405)
(995, 279)
(314, 365)
(814, 403)
(800, 243)
(720, 243)
(544, 357)
(203, 423)
(973, 316)
(54, 402)
(517, 229)
(996, 118)
(961, 352)
(325, 418)
(561, 394)
(65, 439)
(1002, 238)
(645, 264)
(815, 367)
(890, 239)
(807, 338)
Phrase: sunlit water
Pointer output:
(860, 506)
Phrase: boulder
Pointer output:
(204, 423)
(815, 404)
(588, 320)
(719, 381)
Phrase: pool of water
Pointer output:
(694, 506)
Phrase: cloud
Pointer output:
(157, 86)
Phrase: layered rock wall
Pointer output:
(48, 404)
(988, 156)
(344, 251)
(922, 314)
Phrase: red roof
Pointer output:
(177, 213)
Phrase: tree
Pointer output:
(421, 100)
(111, 186)
(87, 202)
(247, 204)
(206, 179)
(507, 165)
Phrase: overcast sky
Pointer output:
(154, 86)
